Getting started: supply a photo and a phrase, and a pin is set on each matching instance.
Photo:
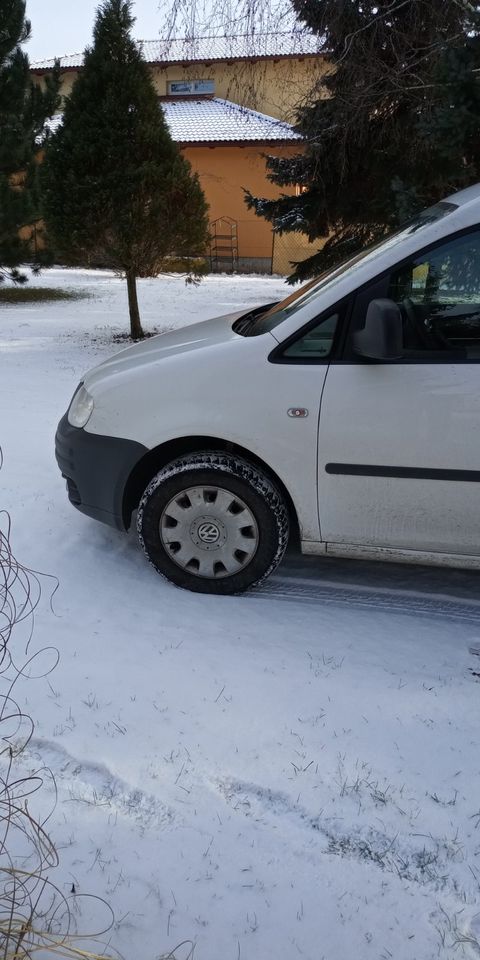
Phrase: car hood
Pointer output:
(196, 336)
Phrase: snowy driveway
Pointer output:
(291, 773)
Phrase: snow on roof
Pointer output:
(67, 62)
(216, 121)
(231, 48)
(208, 49)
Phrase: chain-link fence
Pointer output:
(288, 249)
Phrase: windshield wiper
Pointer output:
(244, 325)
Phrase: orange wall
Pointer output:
(224, 171)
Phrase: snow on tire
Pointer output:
(213, 523)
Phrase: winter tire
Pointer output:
(213, 523)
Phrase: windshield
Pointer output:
(263, 322)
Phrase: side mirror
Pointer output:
(382, 335)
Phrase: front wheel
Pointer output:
(213, 523)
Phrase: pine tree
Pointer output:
(393, 126)
(116, 188)
(24, 107)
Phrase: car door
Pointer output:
(399, 441)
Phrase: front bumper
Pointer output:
(96, 469)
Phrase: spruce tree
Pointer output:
(117, 190)
(24, 107)
(393, 125)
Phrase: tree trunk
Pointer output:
(136, 330)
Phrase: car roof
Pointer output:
(465, 196)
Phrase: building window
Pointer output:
(190, 88)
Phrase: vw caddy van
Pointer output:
(347, 415)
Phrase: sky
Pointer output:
(62, 27)
(65, 26)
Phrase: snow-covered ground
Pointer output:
(295, 772)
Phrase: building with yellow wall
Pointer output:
(229, 102)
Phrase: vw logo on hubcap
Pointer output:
(208, 532)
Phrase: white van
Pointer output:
(347, 415)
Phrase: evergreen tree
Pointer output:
(393, 125)
(116, 188)
(24, 107)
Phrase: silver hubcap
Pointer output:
(209, 532)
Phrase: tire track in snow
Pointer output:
(401, 601)
(94, 784)
(428, 864)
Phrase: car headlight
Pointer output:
(81, 408)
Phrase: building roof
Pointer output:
(264, 46)
(216, 121)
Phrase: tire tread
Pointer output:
(232, 465)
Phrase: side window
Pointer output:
(439, 297)
(316, 343)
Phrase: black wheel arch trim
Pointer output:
(158, 457)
